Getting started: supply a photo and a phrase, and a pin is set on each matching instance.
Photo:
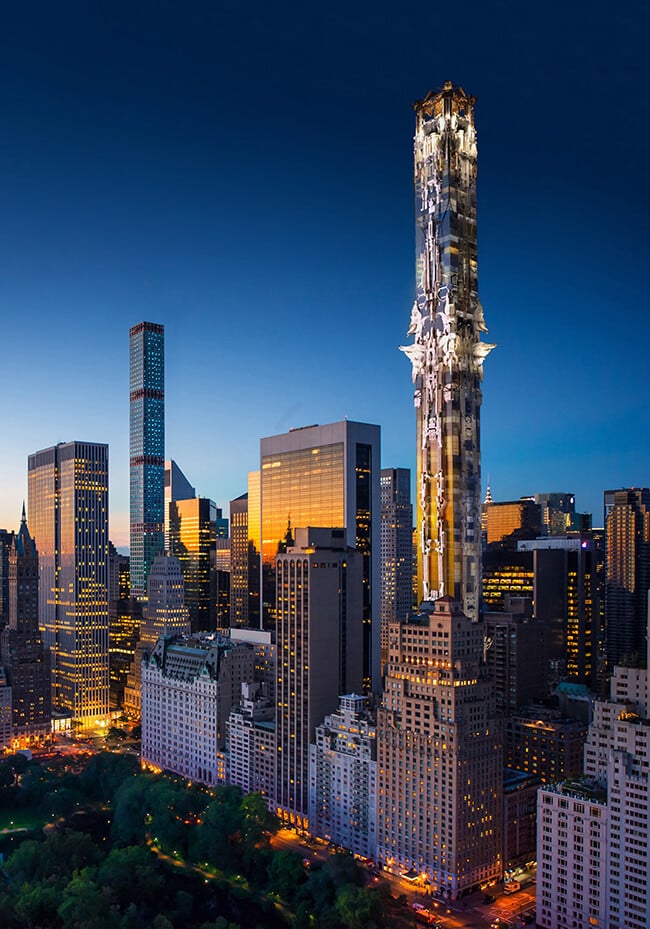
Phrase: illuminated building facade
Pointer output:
(177, 487)
(568, 565)
(189, 686)
(439, 754)
(327, 476)
(396, 548)
(192, 539)
(593, 866)
(319, 651)
(512, 520)
(343, 778)
(245, 546)
(26, 663)
(68, 516)
(545, 743)
(627, 572)
(447, 355)
(147, 449)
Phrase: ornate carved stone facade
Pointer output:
(447, 354)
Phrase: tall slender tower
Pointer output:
(447, 354)
(147, 461)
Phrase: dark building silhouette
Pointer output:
(245, 556)
(516, 654)
(5, 544)
(26, 662)
(627, 573)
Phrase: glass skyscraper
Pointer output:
(147, 452)
(68, 513)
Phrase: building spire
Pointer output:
(23, 518)
(488, 493)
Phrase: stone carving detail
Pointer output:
(446, 354)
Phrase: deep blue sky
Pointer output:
(242, 173)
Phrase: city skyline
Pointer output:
(201, 193)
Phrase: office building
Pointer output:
(245, 547)
(447, 355)
(516, 655)
(543, 742)
(192, 539)
(343, 778)
(439, 753)
(569, 565)
(68, 518)
(177, 487)
(5, 544)
(510, 521)
(147, 449)
(559, 515)
(189, 686)
(26, 663)
(221, 574)
(163, 614)
(396, 549)
(326, 476)
(319, 644)
(627, 573)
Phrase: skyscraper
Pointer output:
(319, 651)
(26, 663)
(147, 449)
(627, 573)
(396, 535)
(245, 547)
(177, 487)
(439, 753)
(192, 537)
(439, 741)
(447, 354)
(68, 516)
(326, 476)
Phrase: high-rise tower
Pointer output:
(447, 354)
(68, 515)
(147, 455)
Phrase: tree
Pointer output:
(129, 806)
(358, 908)
(85, 906)
(258, 822)
(54, 859)
(131, 875)
(36, 906)
(286, 874)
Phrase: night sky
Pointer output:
(243, 174)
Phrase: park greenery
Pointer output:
(114, 847)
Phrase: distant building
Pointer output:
(326, 476)
(177, 487)
(5, 545)
(147, 449)
(164, 614)
(544, 743)
(189, 686)
(520, 817)
(559, 515)
(26, 663)
(343, 778)
(569, 564)
(192, 539)
(396, 549)
(6, 728)
(125, 621)
(245, 545)
(513, 520)
(516, 654)
(627, 573)
(68, 517)
(319, 651)
(439, 754)
(221, 574)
